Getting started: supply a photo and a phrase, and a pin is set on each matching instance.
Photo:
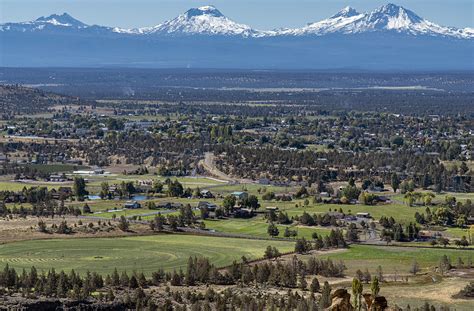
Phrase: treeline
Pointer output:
(451, 213)
(30, 195)
(424, 170)
(395, 231)
(18, 170)
(318, 220)
(185, 218)
(199, 271)
(43, 209)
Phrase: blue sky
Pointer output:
(260, 14)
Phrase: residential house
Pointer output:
(206, 194)
(240, 195)
(132, 205)
(363, 215)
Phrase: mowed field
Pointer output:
(395, 259)
(141, 253)
(259, 227)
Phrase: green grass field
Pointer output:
(18, 186)
(394, 259)
(146, 253)
(258, 228)
(460, 232)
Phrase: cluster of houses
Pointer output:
(41, 159)
(20, 197)
(237, 211)
(133, 204)
(362, 216)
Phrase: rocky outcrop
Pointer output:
(340, 301)
(379, 303)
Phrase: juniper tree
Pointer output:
(325, 300)
(357, 289)
(375, 287)
(315, 287)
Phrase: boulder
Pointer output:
(377, 304)
(340, 301)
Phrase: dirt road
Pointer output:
(210, 166)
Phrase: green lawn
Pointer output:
(18, 186)
(129, 213)
(258, 228)
(394, 259)
(460, 232)
(125, 212)
(147, 253)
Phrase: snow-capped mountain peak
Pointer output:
(54, 22)
(204, 10)
(209, 21)
(346, 12)
(391, 16)
(61, 20)
(387, 18)
(334, 24)
(205, 20)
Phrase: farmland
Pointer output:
(258, 228)
(395, 259)
(146, 253)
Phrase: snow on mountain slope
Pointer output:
(389, 17)
(335, 23)
(209, 21)
(64, 19)
(206, 20)
(467, 31)
(54, 21)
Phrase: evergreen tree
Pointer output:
(375, 287)
(272, 230)
(325, 300)
(315, 287)
(357, 289)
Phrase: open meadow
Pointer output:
(258, 228)
(394, 259)
(139, 253)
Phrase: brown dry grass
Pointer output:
(20, 229)
(437, 292)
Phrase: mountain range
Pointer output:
(389, 37)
